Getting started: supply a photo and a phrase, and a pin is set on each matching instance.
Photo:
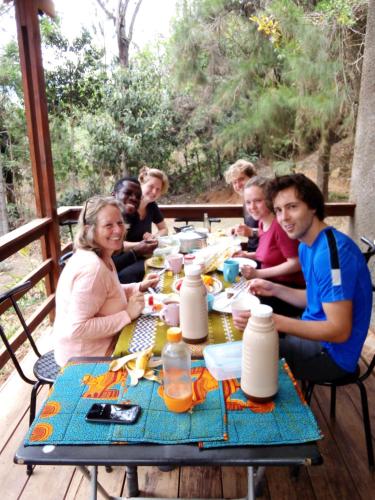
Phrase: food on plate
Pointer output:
(157, 307)
(158, 260)
(208, 281)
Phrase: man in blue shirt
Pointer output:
(326, 342)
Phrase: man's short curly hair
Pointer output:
(306, 190)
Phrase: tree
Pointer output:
(120, 19)
(136, 125)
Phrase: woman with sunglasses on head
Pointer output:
(154, 183)
(91, 305)
(276, 254)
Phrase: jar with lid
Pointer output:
(193, 306)
(260, 356)
(177, 384)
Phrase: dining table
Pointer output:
(223, 429)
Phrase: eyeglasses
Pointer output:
(90, 200)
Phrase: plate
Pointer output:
(224, 305)
(159, 301)
(215, 288)
(149, 262)
(242, 261)
(158, 304)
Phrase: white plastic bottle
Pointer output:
(176, 360)
(193, 306)
(260, 356)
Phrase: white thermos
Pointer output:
(260, 356)
(193, 306)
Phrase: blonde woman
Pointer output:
(154, 183)
(237, 175)
(91, 305)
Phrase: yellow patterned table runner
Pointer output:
(151, 331)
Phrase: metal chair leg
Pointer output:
(132, 482)
(366, 423)
(308, 392)
(33, 402)
(332, 410)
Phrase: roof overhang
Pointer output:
(45, 6)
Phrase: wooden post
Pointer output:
(29, 43)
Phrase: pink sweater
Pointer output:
(90, 307)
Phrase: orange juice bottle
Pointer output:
(176, 359)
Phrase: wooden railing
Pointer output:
(14, 241)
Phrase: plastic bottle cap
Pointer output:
(261, 311)
(193, 270)
(174, 334)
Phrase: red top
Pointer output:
(274, 248)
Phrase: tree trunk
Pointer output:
(363, 178)
(119, 19)
(4, 226)
(326, 144)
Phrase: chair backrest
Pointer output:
(368, 254)
(11, 295)
(64, 258)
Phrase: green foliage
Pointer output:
(137, 126)
(78, 83)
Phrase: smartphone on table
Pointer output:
(113, 413)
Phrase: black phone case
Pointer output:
(106, 413)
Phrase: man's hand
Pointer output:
(241, 319)
(145, 247)
(135, 305)
(150, 280)
(261, 287)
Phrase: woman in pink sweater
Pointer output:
(91, 305)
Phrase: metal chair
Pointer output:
(64, 258)
(353, 378)
(45, 368)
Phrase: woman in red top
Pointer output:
(277, 254)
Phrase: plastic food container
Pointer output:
(224, 360)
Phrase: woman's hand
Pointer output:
(242, 230)
(261, 287)
(135, 305)
(149, 236)
(248, 272)
(150, 280)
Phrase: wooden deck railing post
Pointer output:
(37, 126)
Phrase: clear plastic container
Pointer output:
(177, 384)
(223, 361)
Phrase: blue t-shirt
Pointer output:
(352, 282)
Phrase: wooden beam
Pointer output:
(13, 241)
(47, 7)
(29, 43)
(34, 277)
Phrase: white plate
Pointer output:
(149, 262)
(216, 287)
(224, 305)
(158, 299)
(242, 261)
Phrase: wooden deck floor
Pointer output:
(344, 474)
